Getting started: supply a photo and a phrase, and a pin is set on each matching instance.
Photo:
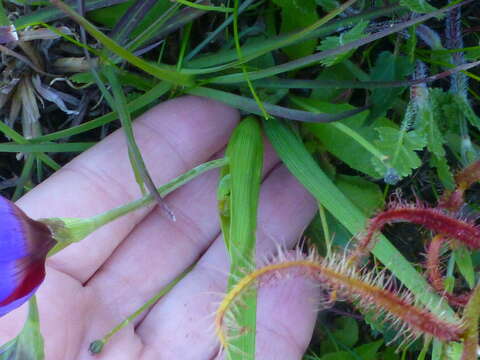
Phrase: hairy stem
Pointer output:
(364, 289)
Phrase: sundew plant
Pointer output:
(372, 105)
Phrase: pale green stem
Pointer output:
(163, 190)
(326, 232)
(97, 345)
(69, 230)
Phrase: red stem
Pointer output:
(435, 276)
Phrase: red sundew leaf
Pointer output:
(434, 273)
(434, 219)
(366, 290)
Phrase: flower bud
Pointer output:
(24, 245)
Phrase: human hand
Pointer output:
(92, 286)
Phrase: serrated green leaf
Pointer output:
(388, 67)
(426, 115)
(332, 42)
(426, 125)
(419, 6)
(443, 171)
(298, 14)
(28, 345)
(400, 146)
(466, 109)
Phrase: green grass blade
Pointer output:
(45, 147)
(251, 106)
(24, 176)
(314, 58)
(130, 20)
(18, 138)
(255, 49)
(217, 31)
(141, 173)
(239, 221)
(51, 13)
(149, 97)
(298, 160)
(152, 31)
(160, 72)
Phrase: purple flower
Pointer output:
(24, 245)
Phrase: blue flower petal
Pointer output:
(24, 245)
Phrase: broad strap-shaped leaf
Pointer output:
(238, 195)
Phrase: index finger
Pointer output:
(173, 137)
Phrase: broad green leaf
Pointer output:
(345, 334)
(465, 265)
(4, 21)
(110, 15)
(28, 345)
(328, 5)
(363, 352)
(238, 201)
(369, 351)
(339, 355)
(332, 42)
(298, 14)
(419, 6)
(357, 153)
(399, 146)
(366, 195)
(334, 73)
(388, 67)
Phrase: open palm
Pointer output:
(92, 286)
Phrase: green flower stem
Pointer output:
(97, 345)
(69, 230)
